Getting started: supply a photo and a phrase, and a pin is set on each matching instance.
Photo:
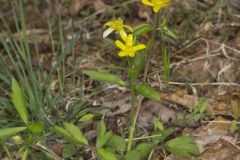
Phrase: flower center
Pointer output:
(117, 25)
(129, 49)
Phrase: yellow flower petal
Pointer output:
(131, 54)
(119, 20)
(139, 47)
(129, 40)
(122, 54)
(109, 23)
(120, 45)
(156, 8)
(147, 2)
(123, 34)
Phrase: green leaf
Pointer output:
(203, 104)
(142, 29)
(107, 136)
(65, 134)
(235, 104)
(76, 133)
(234, 126)
(18, 101)
(87, 117)
(102, 136)
(133, 155)
(161, 135)
(182, 146)
(197, 117)
(147, 91)
(36, 127)
(101, 129)
(69, 150)
(105, 77)
(168, 32)
(141, 152)
(25, 154)
(116, 143)
(157, 124)
(10, 131)
(145, 148)
(104, 154)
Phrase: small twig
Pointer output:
(225, 122)
(145, 137)
(209, 41)
(206, 84)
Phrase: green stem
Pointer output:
(149, 55)
(132, 127)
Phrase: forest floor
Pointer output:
(204, 68)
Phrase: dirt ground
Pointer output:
(205, 64)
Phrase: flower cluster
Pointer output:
(127, 46)
(128, 49)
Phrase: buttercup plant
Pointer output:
(34, 126)
(137, 56)
(129, 48)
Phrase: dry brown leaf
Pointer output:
(99, 5)
(219, 126)
(76, 6)
(221, 150)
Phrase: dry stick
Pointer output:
(149, 55)
(206, 40)
(206, 84)
(225, 122)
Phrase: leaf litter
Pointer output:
(208, 69)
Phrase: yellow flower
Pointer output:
(128, 49)
(156, 4)
(118, 26)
